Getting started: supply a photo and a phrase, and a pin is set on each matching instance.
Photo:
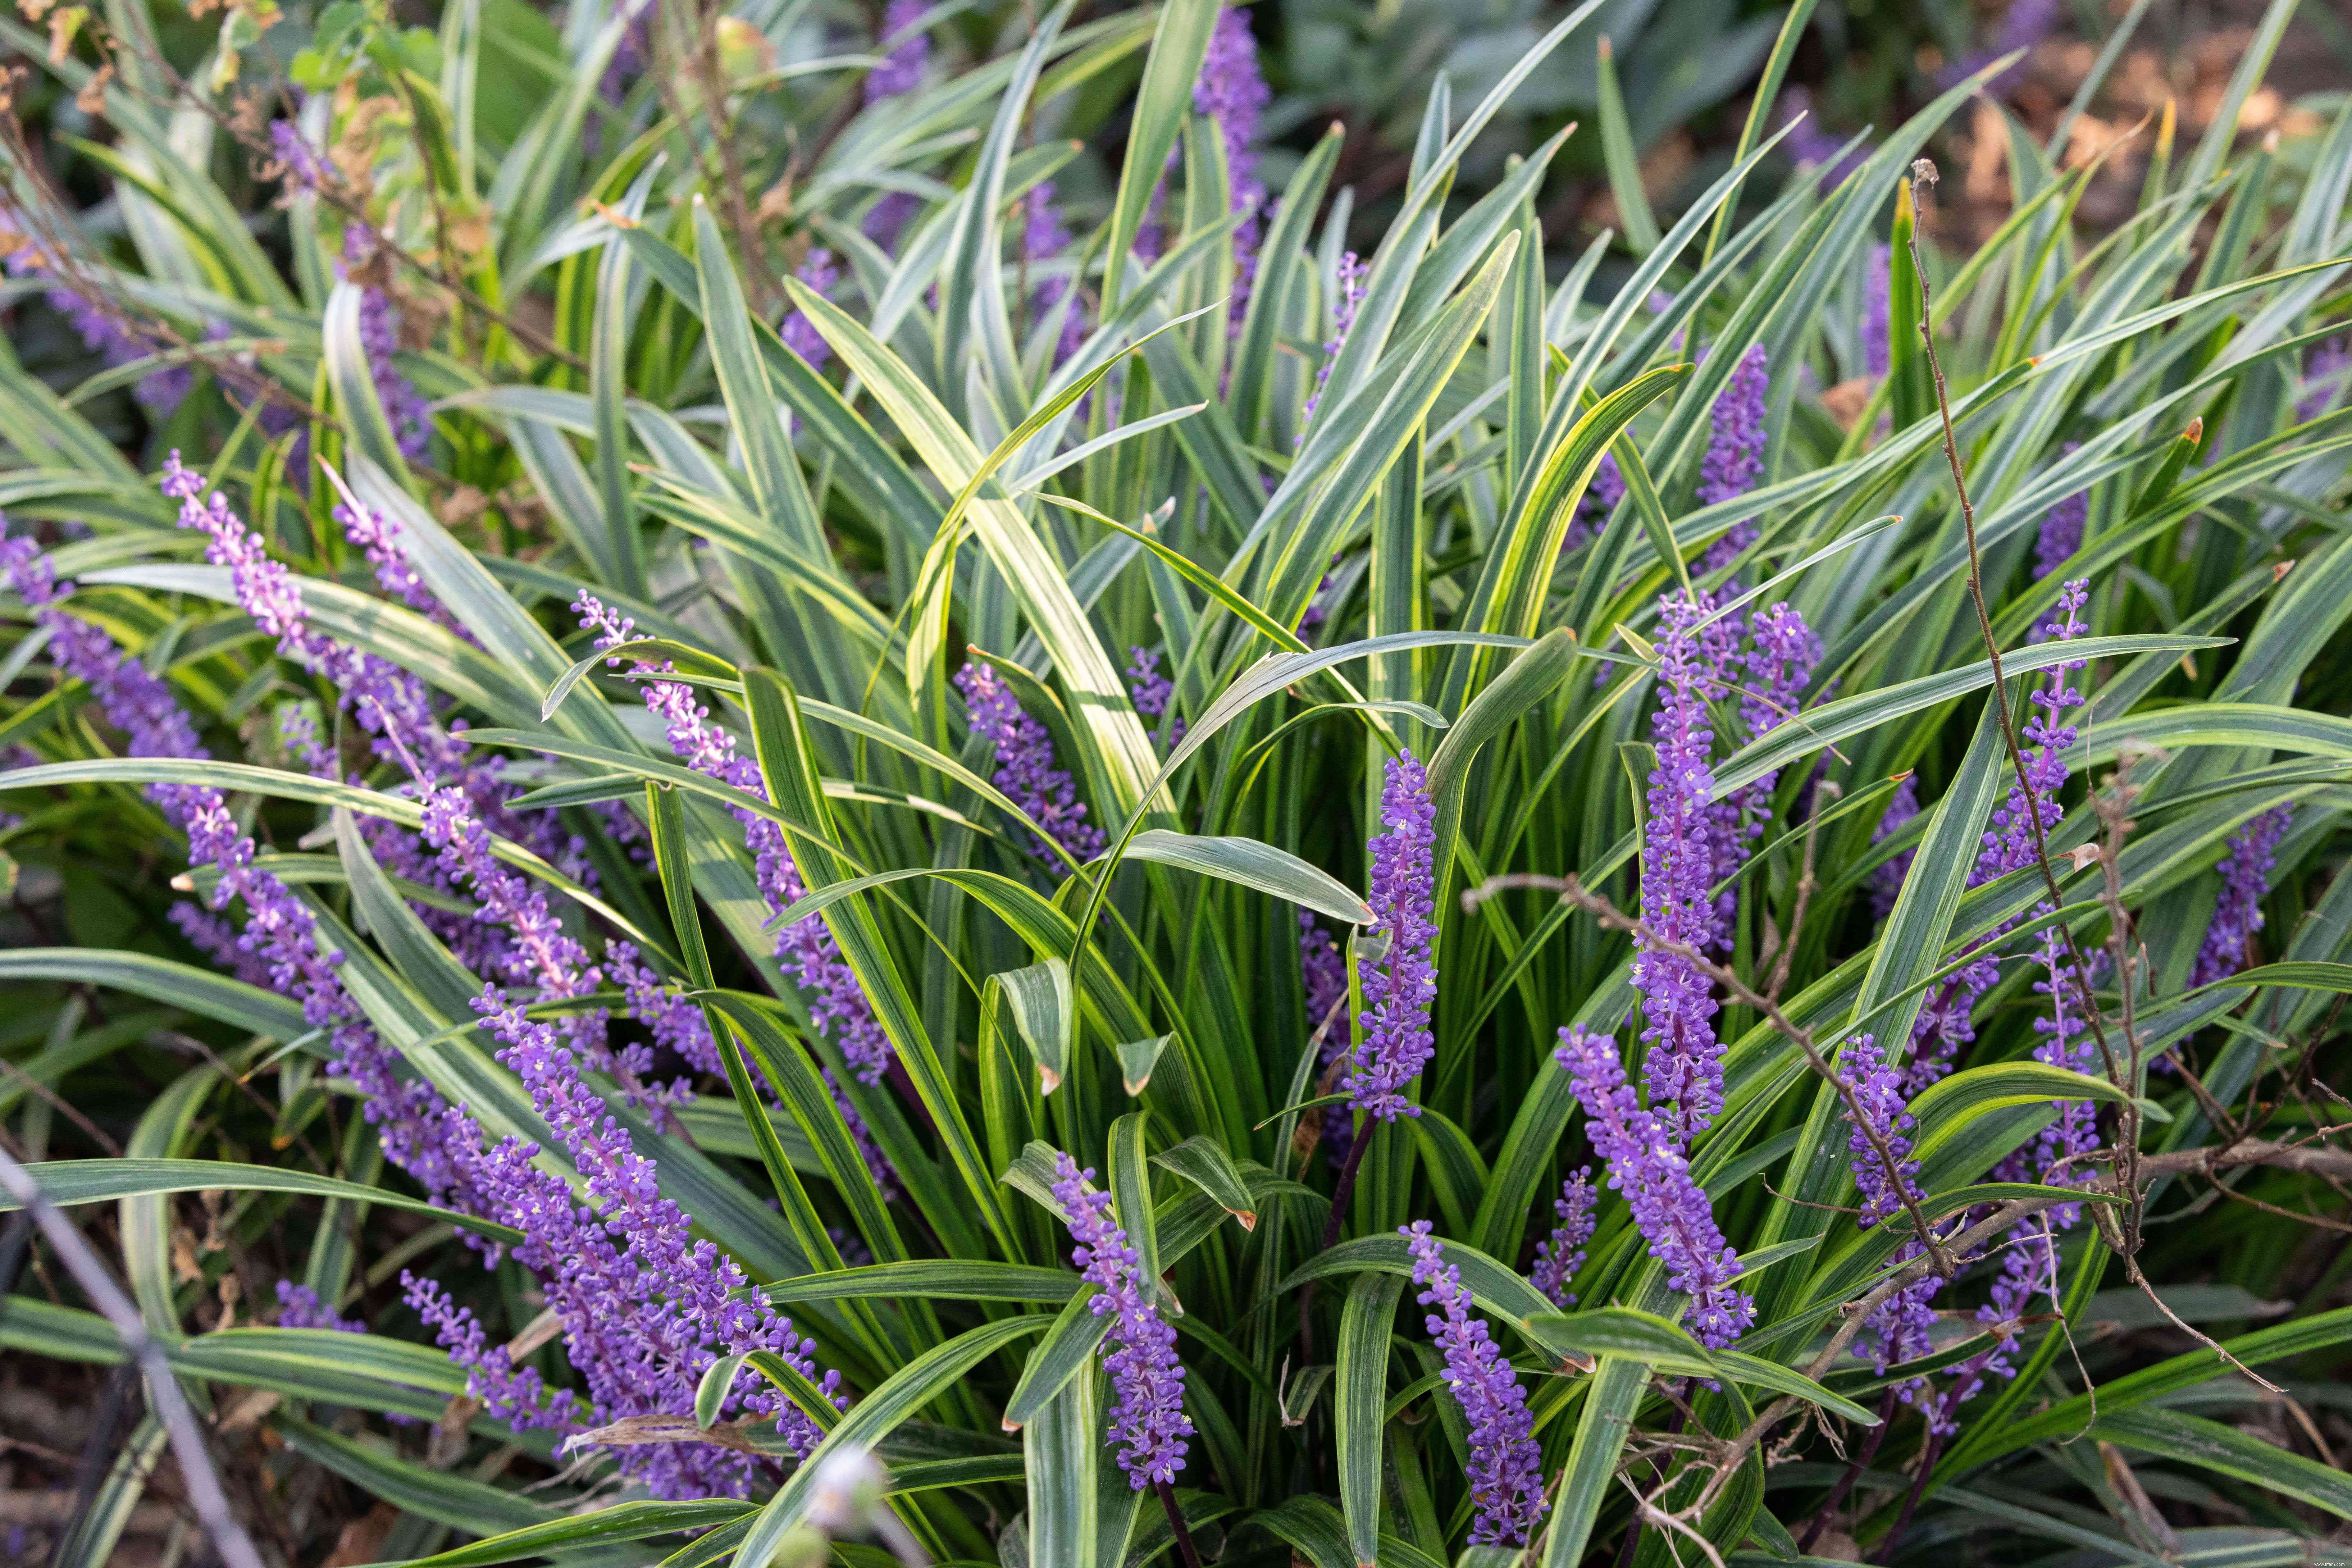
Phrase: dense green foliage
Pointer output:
(1349, 521)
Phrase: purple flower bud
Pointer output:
(404, 405)
(1505, 1468)
(1152, 691)
(298, 1307)
(1147, 1418)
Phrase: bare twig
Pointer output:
(1807, 885)
(204, 1487)
(1572, 892)
(1923, 175)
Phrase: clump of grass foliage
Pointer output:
(831, 808)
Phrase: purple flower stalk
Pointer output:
(1886, 881)
(835, 1000)
(902, 69)
(1027, 770)
(1735, 452)
(404, 405)
(1877, 300)
(1146, 1420)
(2245, 879)
(645, 1307)
(2323, 376)
(1232, 92)
(886, 219)
(1152, 692)
(1044, 237)
(1681, 848)
(1944, 1024)
(2062, 529)
(1323, 971)
(298, 1307)
(1344, 303)
(421, 1133)
(1600, 498)
(1813, 147)
(104, 333)
(1399, 992)
(1782, 653)
(1875, 1084)
(1561, 1255)
(1643, 1158)
(1505, 1468)
(294, 159)
(800, 334)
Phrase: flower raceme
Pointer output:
(1645, 1160)
(1397, 992)
(1146, 1420)
(1026, 768)
(1505, 1467)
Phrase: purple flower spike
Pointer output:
(1505, 1467)
(1680, 850)
(1559, 1257)
(2323, 374)
(278, 949)
(1232, 92)
(1644, 1162)
(1399, 992)
(404, 405)
(1152, 691)
(1044, 237)
(800, 334)
(1735, 452)
(1876, 1085)
(1147, 1418)
(1944, 1024)
(106, 333)
(1877, 291)
(298, 1307)
(902, 69)
(835, 1000)
(2062, 529)
(1026, 768)
(1344, 306)
(1886, 881)
(2245, 879)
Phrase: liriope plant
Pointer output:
(874, 872)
